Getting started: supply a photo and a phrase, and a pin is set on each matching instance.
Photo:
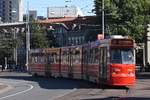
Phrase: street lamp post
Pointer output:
(14, 12)
(15, 48)
(103, 18)
(27, 37)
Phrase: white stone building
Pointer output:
(57, 12)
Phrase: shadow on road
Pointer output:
(49, 83)
(57, 83)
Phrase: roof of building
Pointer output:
(70, 21)
(57, 20)
(84, 19)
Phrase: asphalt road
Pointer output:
(25, 87)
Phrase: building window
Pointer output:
(10, 6)
(10, 2)
(3, 10)
(76, 40)
(69, 40)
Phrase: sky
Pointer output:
(41, 5)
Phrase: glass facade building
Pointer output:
(11, 10)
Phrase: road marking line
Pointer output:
(59, 96)
(8, 96)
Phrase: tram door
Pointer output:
(103, 64)
(47, 66)
(75, 63)
(85, 63)
(65, 62)
(70, 67)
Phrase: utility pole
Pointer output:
(103, 18)
(147, 45)
(15, 48)
(27, 37)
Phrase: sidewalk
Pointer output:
(143, 74)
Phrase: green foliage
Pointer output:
(38, 36)
(51, 38)
(4, 53)
(7, 43)
(125, 17)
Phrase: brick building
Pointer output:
(73, 30)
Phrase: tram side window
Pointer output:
(95, 56)
(89, 53)
(76, 57)
(101, 62)
(101, 56)
(50, 59)
(64, 58)
(41, 59)
(35, 59)
(55, 58)
(32, 59)
(105, 55)
(91, 56)
(84, 56)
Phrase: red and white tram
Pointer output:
(108, 61)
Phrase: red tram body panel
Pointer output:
(37, 62)
(108, 61)
(65, 62)
(53, 61)
(76, 62)
(122, 74)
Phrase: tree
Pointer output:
(125, 17)
(7, 43)
(51, 38)
(38, 36)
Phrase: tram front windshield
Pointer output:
(122, 56)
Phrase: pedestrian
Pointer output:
(3, 67)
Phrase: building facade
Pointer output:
(33, 14)
(74, 31)
(11, 10)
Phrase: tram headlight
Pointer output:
(115, 70)
(131, 72)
